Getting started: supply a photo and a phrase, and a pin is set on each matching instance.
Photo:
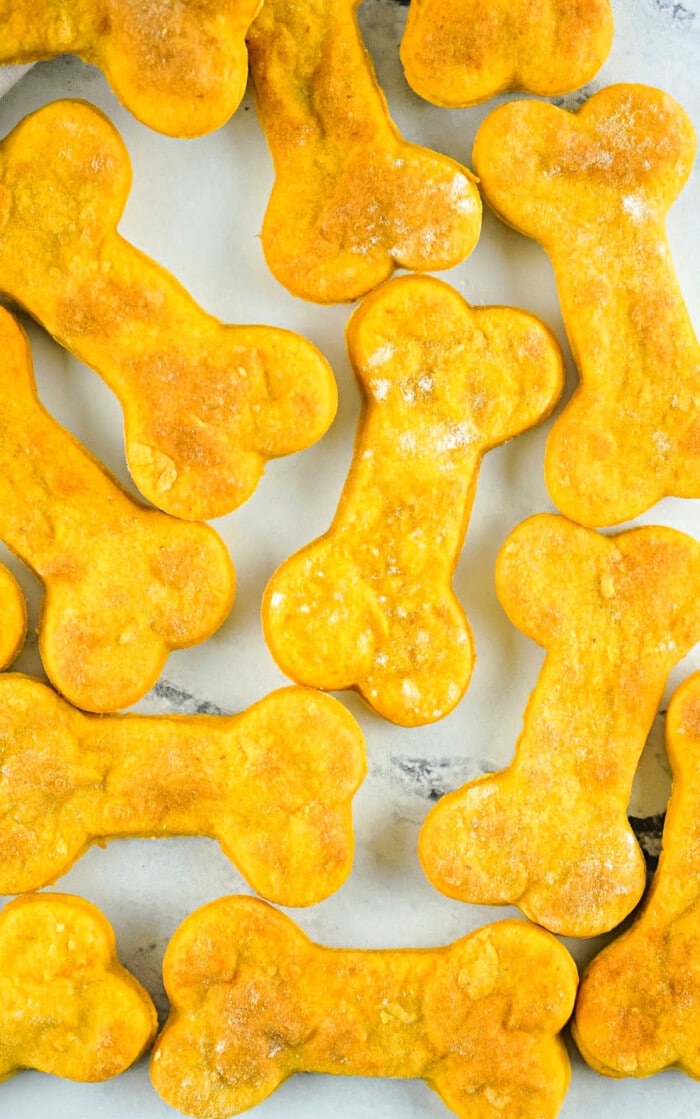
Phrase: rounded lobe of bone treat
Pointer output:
(254, 1001)
(351, 200)
(460, 53)
(124, 585)
(369, 605)
(274, 785)
(68, 1007)
(594, 188)
(551, 833)
(180, 69)
(639, 1006)
(205, 404)
(13, 617)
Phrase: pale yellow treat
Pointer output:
(639, 1005)
(550, 834)
(205, 405)
(180, 68)
(352, 200)
(460, 52)
(67, 1006)
(594, 188)
(125, 585)
(253, 1001)
(370, 604)
(13, 615)
(274, 785)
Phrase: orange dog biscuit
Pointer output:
(67, 1006)
(179, 68)
(369, 605)
(594, 188)
(124, 585)
(274, 786)
(254, 1001)
(13, 615)
(460, 52)
(205, 404)
(550, 833)
(639, 1005)
(351, 199)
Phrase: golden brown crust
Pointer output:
(460, 52)
(370, 604)
(274, 785)
(550, 833)
(13, 617)
(351, 200)
(254, 1001)
(67, 1006)
(639, 1006)
(205, 404)
(594, 188)
(125, 585)
(179, 68)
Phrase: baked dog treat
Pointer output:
(274, 785)
(205, 404)
(124, 585)
(593, 188)
(253, 1001)
(351, 200)
(639, 1005)
(460, 52)
(369, 605)
(68, 1007)
(550, 833)
(179, 68)
(13, 614)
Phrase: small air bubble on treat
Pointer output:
(277, 599)
(607, 586)
(166, 479)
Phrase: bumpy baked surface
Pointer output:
(205, 404)
(460, 52)
(67, 1006)
(370, 604)
(254, 1001)
(352, 199)
(179, 68)
(639, 1006)
(274, 785)
(124, 585)
(550, 833)
(594, 188)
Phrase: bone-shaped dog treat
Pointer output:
(460, 52)
(274, 785)
(179, 68)
(254, 1001)
(550, 833)
(639, 1005)
(124, 585)
(594, 188)
(351, 198)
(205, 404)
(13, 616)
(67, 1006)
(370, 605)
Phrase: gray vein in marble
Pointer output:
(678, 12)
(181, 701)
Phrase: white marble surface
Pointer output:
(197, 208)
